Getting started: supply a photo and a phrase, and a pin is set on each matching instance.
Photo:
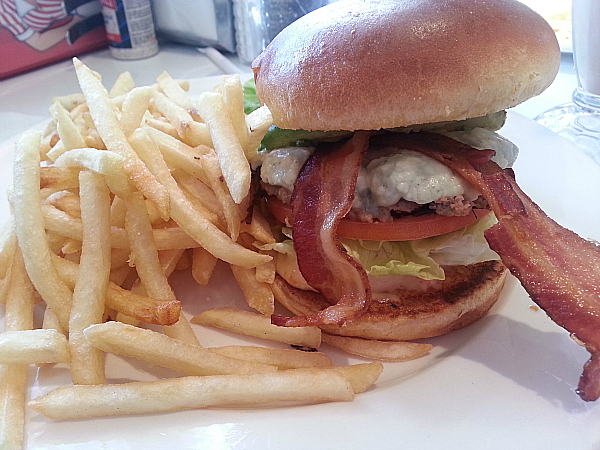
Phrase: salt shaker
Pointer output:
(129, 28)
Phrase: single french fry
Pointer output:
(142, 308)
(145, 257)
(103, 162)
(117, 212)
(230, 86)
(258, 295)
(87, 362)
(108, 126)
(18, 316)
(378, 350)
(13, 385)
(299, 385)
(134, 107)
(284, 359)
(66, 201)
(29, 226)
(50, 322)
(69, 101)
(176, 93)
(361, 376)
(203, 265)
(33, 347)
(59, 177)
(71, 247)
(4, 285)
(162, 125)
(257, 325)
(258, 121)
(259, 228)
(191, 132)
(159, 349)
(198, 191)
(232, 159)
(178, 154)
(68, 132)
(265, 273)
(8, 245)
(123, 85)
(216, 182)
(184, 262)
(170, 259)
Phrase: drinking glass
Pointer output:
(579, 121)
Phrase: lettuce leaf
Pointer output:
(250, 99)
(382, 258)
(423, 257)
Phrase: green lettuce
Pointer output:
(250, 99)
(423, 258)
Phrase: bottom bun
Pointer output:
(424, 310)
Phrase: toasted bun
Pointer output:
(466, 294)
(382, 64)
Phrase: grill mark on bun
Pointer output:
(466, 294)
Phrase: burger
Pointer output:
(378, 238)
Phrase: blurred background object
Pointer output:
(558, 14)
(199, 23)
(34, 34)
(579, 120)
(257, 22)
(129, 28)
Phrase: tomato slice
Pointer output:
(404, 229)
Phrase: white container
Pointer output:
(129, 28)
(586, 44)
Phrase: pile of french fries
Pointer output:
(123, 187)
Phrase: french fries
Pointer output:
(29, 227)
(13, 377)
(379, 350)
(257, 325)
(89, 294)
(124, 187)
(159, 349)
(178, 394)
(33, 347)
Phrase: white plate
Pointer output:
(505, 382)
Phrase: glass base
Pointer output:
(577, 122)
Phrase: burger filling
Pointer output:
(395, 182)
(392, 183)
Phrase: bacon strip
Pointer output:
(558, 269)
(323, 194)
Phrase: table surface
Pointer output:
(25, 98)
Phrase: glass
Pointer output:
(257, 22)
(579, 121)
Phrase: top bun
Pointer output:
(374, 64)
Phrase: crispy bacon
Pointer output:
(559, 269)
(323, 194)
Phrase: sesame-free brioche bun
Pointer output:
(371, 64)
(408, 313)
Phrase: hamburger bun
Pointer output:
(466, 295)
(366, 65)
